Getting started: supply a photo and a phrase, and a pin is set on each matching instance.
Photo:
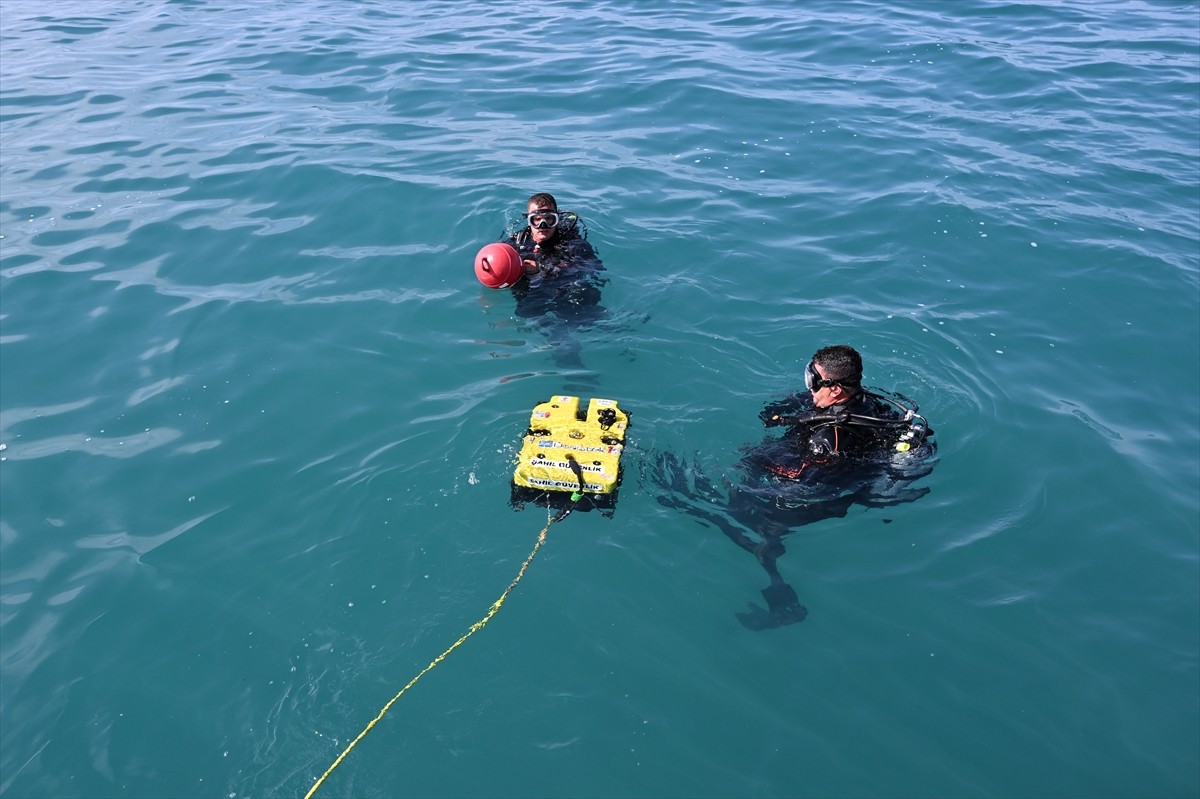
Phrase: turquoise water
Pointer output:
(259, 418)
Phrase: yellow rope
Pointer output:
(476, 627)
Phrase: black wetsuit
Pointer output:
(563, 295)
(819, 441)
(827, 460)
(568, 279)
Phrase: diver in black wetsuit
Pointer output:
(561, 288)
(843, 445)
(836, 424)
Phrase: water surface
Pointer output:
(259, 418)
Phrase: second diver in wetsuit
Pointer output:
(843, 444)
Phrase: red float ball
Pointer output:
(498, 265)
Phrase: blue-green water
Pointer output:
(259, 418)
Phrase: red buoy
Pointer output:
(498, 265)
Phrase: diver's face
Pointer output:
(823, 395)
(543, 222)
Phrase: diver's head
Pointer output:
(834, 375)
(541, 213)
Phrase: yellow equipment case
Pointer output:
(571, 458)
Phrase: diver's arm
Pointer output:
(582, 249)
(522, 242)
(782, 411)
(580, 256)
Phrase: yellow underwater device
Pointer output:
(571, 458)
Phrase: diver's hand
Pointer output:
(530, 265)
(775, 420)
(783, 603)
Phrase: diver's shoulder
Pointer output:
(571, 225)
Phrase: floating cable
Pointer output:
(476, 627)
